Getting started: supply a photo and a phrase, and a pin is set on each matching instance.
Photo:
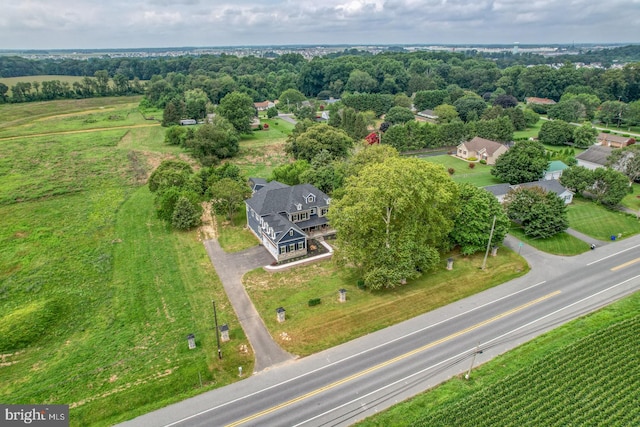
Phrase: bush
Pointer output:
(361, 284)
(472, 159)
(314, 301)
(265, 126)
(472, 165)
(605, 131)
(483, 162)
(451, 171)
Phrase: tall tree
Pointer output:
(555, 132)
(214, 141)
(524, 162)
(397, 115)
(472, 226)
(312, 141)
(227, 195)
(609, 186)
(577, 179)
(393, 220)
(626, 161)
(584, 136)
(238, 108)
(542, 214)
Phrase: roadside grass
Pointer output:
(563, 244)
(600, 223)
(632, 200)
(311, 329)
(531, 361)
(236, 237)
(480, 175)
(96, 294)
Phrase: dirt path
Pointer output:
(68, 132)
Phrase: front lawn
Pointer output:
(235, 237)
(600, 223)
(563, 244)
(632, 200)
(311, 329)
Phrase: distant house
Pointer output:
(265, 105)
(595, 157)
(481, 149)
(187, 122)
(427, 115)
(550, 185)
(555, 169)
(283, 217)
(615, 141)
(539, 101)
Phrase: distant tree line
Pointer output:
(322, 77)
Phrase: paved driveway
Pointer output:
(230, 268)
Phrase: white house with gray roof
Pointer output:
(548, 185)
(283, 217)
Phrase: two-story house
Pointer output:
(283, 217)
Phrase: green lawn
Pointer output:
(311, 329)
(96, 294)
(542, 382)
(531, 132)
(632, 200)
(261, 151)
(600, 223)
(561, 244)
(480, 175)
(235, 237)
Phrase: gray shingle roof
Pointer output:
(498, 189)
(550, 185)
(276, 197)
(595, 154)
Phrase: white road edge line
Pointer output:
(461, 354)
(349, 357)
(612, 255)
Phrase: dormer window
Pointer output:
(310, 198)
(299, 206)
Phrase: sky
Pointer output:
(98, 24)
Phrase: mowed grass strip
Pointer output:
(235, 237)
(562, 244)
(598, 222)
(311, 329)
(556, 379)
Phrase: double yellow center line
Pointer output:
(391, 361)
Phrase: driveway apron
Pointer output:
(230, 269)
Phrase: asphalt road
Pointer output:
(345, 384)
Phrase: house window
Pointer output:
(300, 245)
(283, 249)
(291, 232)
(304, 216)
(323, 211)
(313, 211)
(292, 247)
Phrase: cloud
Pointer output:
(139, 23)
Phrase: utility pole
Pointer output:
(215, 318)
(486, 254)
(473, 359)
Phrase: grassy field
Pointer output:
(596, 221)
(556, 379)
(96, 294)
(531, 132)
(261, 151)
(310, 329)
(235, 237)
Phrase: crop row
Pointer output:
(592, 382)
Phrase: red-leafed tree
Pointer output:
(372, 138)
